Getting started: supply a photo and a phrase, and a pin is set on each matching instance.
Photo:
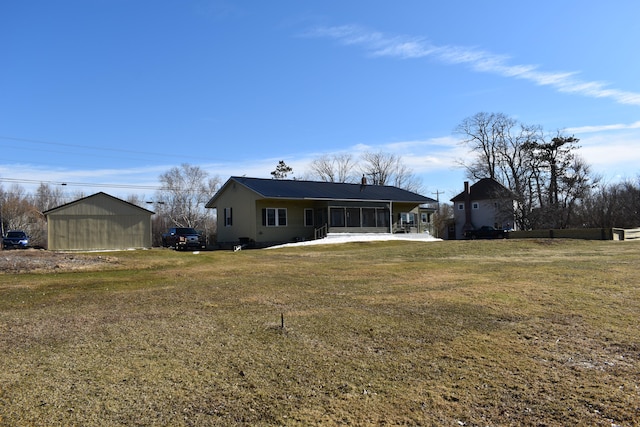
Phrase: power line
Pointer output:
(117, 150)
(80, 184)
(77, 154)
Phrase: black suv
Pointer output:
(15, 239)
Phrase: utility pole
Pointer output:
(437, 193)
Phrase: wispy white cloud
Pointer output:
(405, 47)
(603, 128)
(611, 157)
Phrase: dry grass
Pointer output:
(451, 333)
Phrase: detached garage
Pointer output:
(98, 222)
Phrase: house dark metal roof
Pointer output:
(485, 189)
(318, 190)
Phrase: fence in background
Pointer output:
(579, 233)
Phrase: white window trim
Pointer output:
(306, 211)
(228, 217)
(277, 217)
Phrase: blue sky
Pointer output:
(117, 91)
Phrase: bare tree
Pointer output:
(388, 169)
(379, 166)
(443, 216)
(183, 194)
(404, 178)
(630, 212)
(138, 200)
(17, 212)
(48, 197)
(574, 186)
(545, 177)
(334, 168)
(485, 134)
(612, 205)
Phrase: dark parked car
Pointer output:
(183, 238)
(486, 232)
(15, 239)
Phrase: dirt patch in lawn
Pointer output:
(38, 260)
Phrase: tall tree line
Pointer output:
(553, 186)
(377, 168)
(179, 202)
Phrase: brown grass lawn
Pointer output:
(485, 333)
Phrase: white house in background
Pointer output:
(487, 202)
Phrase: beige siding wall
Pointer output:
(295, 228)
(90, 232)
(99, 222)
(242, 202)
(399, 208)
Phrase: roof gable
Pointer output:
(101, 196)
(486, 189)
(319, 190)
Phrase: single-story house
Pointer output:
(265, 212)
(487, 202)
(98, 222)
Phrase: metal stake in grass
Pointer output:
(281, 320)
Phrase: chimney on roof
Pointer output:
(467, 207)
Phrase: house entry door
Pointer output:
(320, 217)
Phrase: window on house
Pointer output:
(337, 217)
(408, 218)
(353, 217)
(308, 217)
(382, 217)
(476, 205)
(460, 206)
(282, 217)
(228, 217)
(358, 217)
(274, 217)
(270, 217)
(368, 217)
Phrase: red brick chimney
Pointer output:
(467, 207)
